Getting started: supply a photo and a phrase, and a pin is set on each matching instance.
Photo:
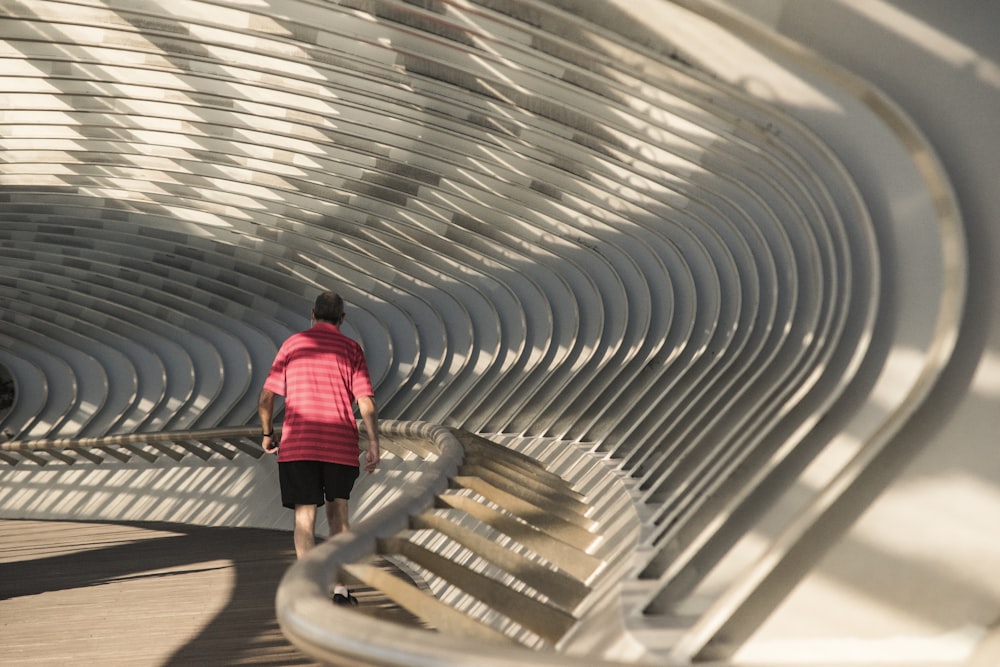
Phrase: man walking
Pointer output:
(321, 373)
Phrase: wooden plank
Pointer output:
(92, 593)
(149, 594)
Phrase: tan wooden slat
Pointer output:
(92, 593)
(150, 594)
(434, 612)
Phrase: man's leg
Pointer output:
(338, 481)
(336, 515)
(305, 525)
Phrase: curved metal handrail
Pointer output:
(149, 446)
(54, 444)
(336, 635)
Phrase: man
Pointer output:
(321, 373)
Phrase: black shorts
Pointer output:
(309, 482)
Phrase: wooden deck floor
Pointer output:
(145, 594)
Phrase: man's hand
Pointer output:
(270, 444)
(372, 458)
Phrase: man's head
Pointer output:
(329, 307)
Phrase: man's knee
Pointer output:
(336, 515)
(305, 515)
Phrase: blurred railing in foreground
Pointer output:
(496, 552)
(491, 552)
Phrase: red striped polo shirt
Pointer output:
(320, 372)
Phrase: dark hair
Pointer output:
(329, 307)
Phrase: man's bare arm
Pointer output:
(265, 409)
(369, 415)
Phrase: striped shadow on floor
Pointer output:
(148, 594)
